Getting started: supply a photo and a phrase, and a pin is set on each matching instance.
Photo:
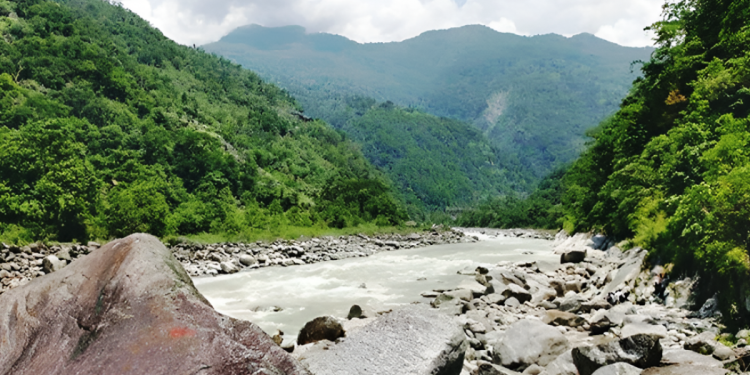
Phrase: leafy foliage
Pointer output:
(542, 209)
(671, 169)
(436, 163)
(107, 127)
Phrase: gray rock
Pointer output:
(644, 328)
(52, 264)
(703, 343)
(640, 350)
(690, 358)
(63, 254)
(618, 369)
(528, 342)
(247, 260)
(571, 303)
(321, 328)
(512, 302)
(723, 353)
(229, 267)
(533, 370)
(562, 365)
(709, 308)
(412, 340)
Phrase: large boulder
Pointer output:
(322, 328)
(528, 342)
(128, 308)
(640, 350)
(411, 340)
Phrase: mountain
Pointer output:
(531, 97)
(107, 128)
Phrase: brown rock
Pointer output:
(562, 318)
(322, 328)
(128, 308)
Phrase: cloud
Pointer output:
(204, 21)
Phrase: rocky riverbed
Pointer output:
(597, 311)
(21, 264)
(228, 258)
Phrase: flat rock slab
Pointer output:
(688, 357)
(128, 308)
(413, 340)
(684, 370)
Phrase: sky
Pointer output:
(365, 21)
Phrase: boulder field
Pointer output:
(128, 308)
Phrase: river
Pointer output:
(380, 282)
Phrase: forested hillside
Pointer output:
(671, 169)
(107, 128)
(532, 97)
(436, 163)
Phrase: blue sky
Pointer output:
(203, 21)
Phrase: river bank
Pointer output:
(21, 264)
(595, 306)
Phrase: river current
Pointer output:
(379, 282)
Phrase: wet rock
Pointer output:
(412, 340)
(358, 312)
(573, 256)
(127, 308)
(640, 350)
(528, 342)
(618, 369)
(321, 328)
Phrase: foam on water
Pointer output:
(330, 288)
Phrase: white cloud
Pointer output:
(203, 21)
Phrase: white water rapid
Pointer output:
(380, 282)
